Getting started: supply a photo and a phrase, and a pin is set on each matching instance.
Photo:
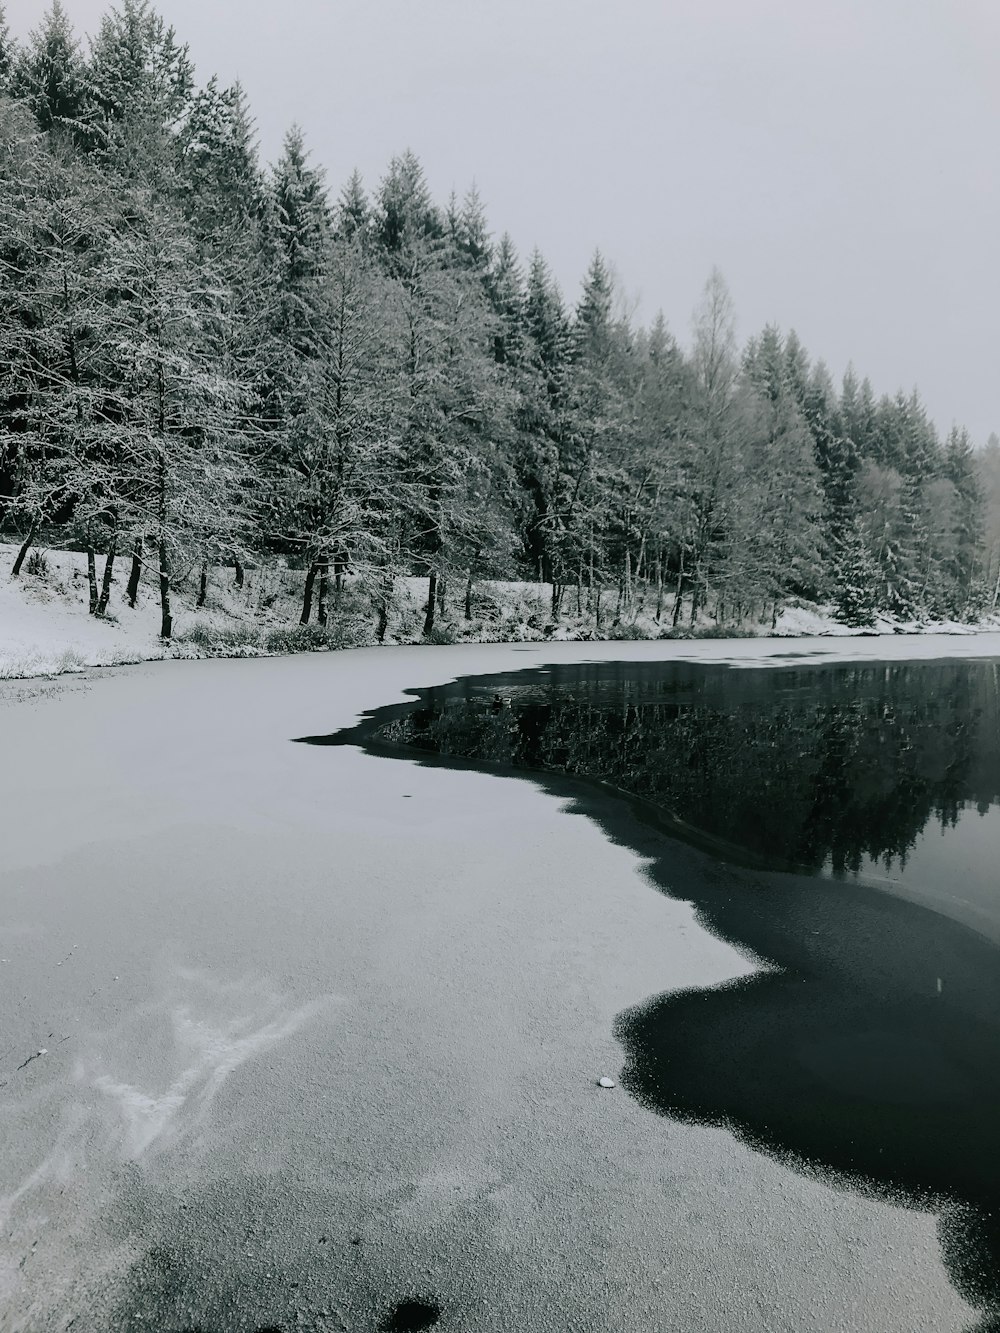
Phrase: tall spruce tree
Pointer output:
(49, 75)
(8, 53)
(712, 463)
(448, 386)
(140, 83)
(302, 226)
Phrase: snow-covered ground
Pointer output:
(322, 1032)
(45, 627)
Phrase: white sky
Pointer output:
(837, 159)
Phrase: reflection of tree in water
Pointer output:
(869, 1051)
(809, 766)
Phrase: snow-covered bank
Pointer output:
(322, 1032)
(46, 629)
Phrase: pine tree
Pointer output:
(713, 472)
(855, 576)
(447, 378)
(592, 327)
(8, 53)
(542, 413)
(968, 527)
(219, 176)
(836, 454)
(354, 210)
(407, 226)
(302, 227)
(180, 410)
(140, 85)
(49, 75)
(472, 236)
(595, 490)
(797, 369)
(223, 194)
(505, 289)
(659, 474)
(857, 414)
(988, 478)
(782, 481)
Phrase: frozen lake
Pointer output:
(323, 1029)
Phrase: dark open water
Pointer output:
(851, 816)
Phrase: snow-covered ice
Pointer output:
(321, 1046)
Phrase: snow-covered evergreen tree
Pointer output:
(49, 74)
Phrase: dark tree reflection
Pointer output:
(807, 766)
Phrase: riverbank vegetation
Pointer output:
(208, 365)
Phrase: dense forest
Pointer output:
(208, 363)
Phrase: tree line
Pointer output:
(207, 362)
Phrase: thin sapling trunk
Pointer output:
(166, 619)
(94, 596)
(307, 594)
(109, 568)
(429, 609)
(323, 607)
(132, 591)
(25, 548)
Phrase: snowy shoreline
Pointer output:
(46, 630)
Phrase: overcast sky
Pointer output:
(837, 159)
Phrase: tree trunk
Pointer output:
(307, 595)
(92, 576)
(383, 614)
(627, 587)
(238, 572)
(166, 620)
(579, 591)
(109, 566)
(384, 588)
(432, 582)
(25, 548)
(338, 581)
(996, 591)
(659, 589)
(468, 593)
(441, 593)
(132, 591)
(598, 594)
(679, 593)
(323, 606)
(557, 593)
